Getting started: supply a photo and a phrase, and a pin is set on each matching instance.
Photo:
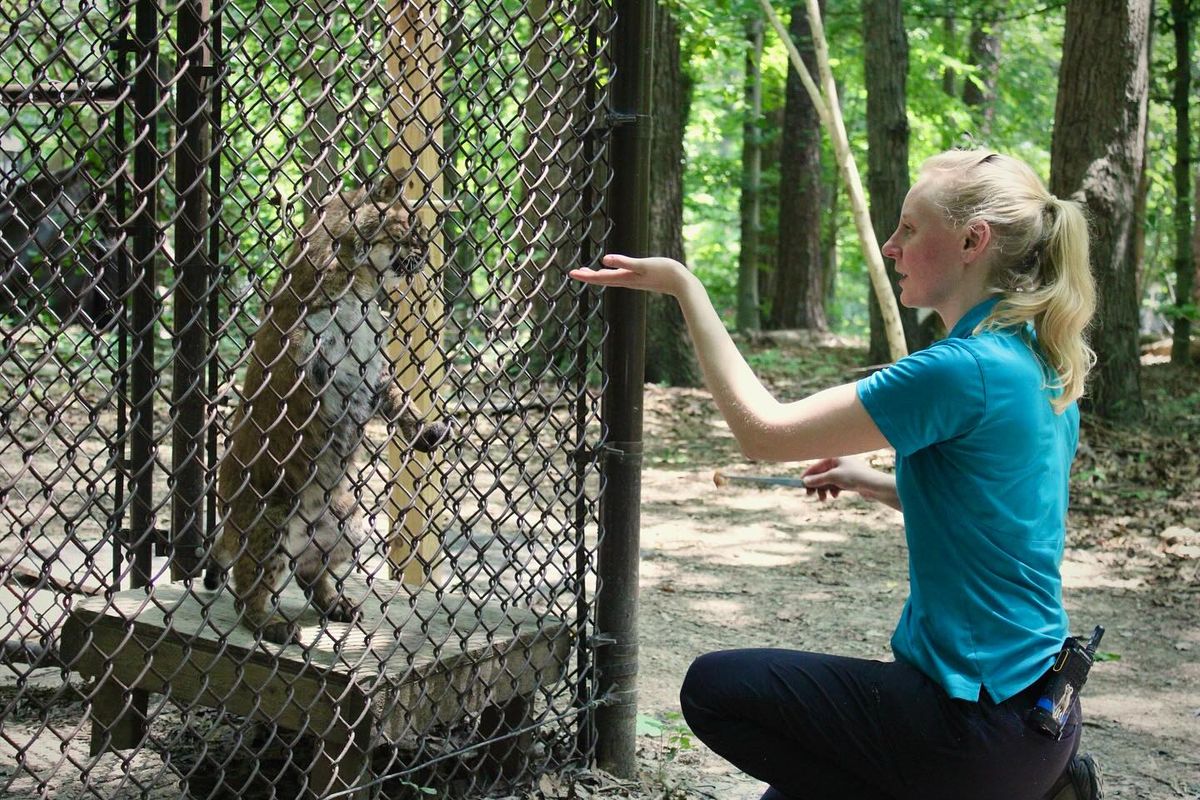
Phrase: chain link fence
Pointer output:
(299, 413)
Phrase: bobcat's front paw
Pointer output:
(342, 610)
(432, 435)
(281, 631)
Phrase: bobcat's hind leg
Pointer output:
(258, 594)
(324, 548)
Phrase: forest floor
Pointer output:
(745, 567)
(748, 567)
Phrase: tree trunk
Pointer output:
(549, 165)
(798, 298)
(831, 191)
(885, 45)
(321, 129)
(949, 34)
(979, 89)
(768, 235)
(751, 217)
(669, 356)
(1185, 265)
(1196, 241)
(1096, 155)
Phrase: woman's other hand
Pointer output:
(654, 274)
(829, 477)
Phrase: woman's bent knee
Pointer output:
(703, 686)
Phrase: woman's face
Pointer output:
(927, 250)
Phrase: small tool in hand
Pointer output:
(721, 479)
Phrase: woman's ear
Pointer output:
(976, 238)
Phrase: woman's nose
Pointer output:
(890, 250)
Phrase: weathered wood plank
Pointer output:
(408, 663)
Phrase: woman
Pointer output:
(985, 425)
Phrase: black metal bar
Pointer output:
(143, 227)
(214, 246)
(624, 358)
(121, 189)
(585, 647)
(189, 398)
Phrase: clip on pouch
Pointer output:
(1063, 684)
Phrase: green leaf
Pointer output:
(649, 726)
(1108, 656)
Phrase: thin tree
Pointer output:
(1185, 266)
(1096, 155)
(321, 127)
(669, 356)
(546, 167)
(825, 100)
(885, 47)
(1196, 241)
(751, 198)
(798, 300)
(979, 87)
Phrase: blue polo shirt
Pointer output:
(982, 464)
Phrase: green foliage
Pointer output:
(1031, 38)
(671, 731)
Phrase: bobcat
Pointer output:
(317, 373)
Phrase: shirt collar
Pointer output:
(970, 320)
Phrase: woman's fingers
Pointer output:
(824, 465)
(603, 277)
(652, 274)
(826, 478)
(616, 260)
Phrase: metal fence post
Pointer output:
(146, 245)
(624, 358)
(188, 396)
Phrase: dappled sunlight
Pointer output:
(1144, 712)
(1089, 573)
(721, 611)
(676, 486)
(774, 500)
(823, 536)
(757, 544)
(652, 570)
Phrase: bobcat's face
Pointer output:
(386, 241)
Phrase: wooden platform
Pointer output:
(406, 665)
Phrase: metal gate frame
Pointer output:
(607, 657)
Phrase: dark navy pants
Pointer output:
(821, 727)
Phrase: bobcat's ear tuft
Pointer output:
(387, 191)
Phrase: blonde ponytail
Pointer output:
(1040, 267)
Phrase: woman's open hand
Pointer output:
(654, 274)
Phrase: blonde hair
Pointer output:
(1040, 264)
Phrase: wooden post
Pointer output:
(414, 56)
(825, 100)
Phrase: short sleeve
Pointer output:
(928, 397)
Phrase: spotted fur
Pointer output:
(317, 373)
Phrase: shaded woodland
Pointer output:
(1116, 132)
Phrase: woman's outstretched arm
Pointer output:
(832, 422)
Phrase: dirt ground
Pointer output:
(742, 567)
